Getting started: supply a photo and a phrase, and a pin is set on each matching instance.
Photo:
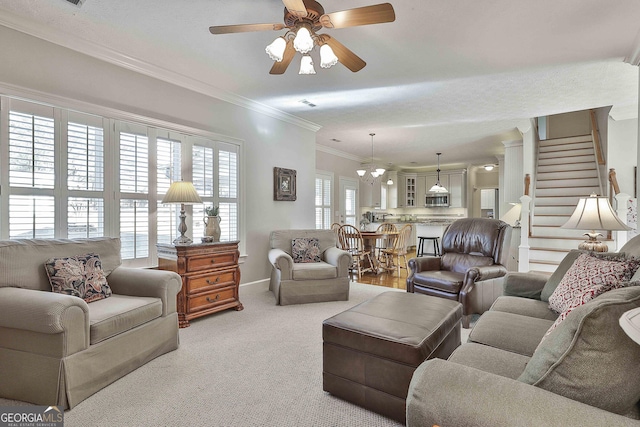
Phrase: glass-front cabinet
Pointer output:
(410, 190)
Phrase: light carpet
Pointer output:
(258, 367)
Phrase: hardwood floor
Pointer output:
(389, 279)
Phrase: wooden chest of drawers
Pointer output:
(210, 277)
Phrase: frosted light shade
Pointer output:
(303, 42)
(488, 167)
(182, 192)
(595, 213)
(438, 188)
(361, 172)
(276, 49)
(380, 171)
(389, 181)
(374, 174)
(327, 57)
(306, 65)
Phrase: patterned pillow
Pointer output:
(588, 277)
(305, 249)
(80, 276)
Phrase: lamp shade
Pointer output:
(327, 57)
(303, 42)
(438, 188)
(512, 216)
(595, 213)
(182, 192)
(276, 49)
(306, 65)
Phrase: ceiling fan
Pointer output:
(302, 18)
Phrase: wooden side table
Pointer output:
(210, 277)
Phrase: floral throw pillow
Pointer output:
(305, 249)
(588, 277)
(80, 276)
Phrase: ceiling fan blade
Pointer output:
(281, 67)
(243, 28)
(296, 7)
(366, 15)
(345, 56)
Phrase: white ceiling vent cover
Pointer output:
(76, 2)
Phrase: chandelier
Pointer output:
(304, 39)
(372, 173)
(437, 187)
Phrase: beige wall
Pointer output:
(568, 124)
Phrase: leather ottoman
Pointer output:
(371, 350)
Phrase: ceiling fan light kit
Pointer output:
(302, 18)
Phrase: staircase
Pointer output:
(567, 170)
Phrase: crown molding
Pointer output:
(342, 154)
(111, 56)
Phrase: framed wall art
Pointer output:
(284, 184)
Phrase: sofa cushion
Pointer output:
(508, 331)
(314, 271)
(80, 276)
(524, 307)
(490, 359)
(120, 313)
(589, 358)
(22, 261)
(564, 265)
(305, 249)
(587, 278)
(447, 281)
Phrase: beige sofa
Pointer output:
(298, 283)
(582, 374)
(56, 349)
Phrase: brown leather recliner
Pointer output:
(471, 267)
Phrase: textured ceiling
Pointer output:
(456, 76)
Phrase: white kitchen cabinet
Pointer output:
(487, 198)
(401, 191)
(392, 190)
(432, 178)
(410, 185)
(457, 190)
(370, 195)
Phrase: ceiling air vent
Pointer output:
(76, 2)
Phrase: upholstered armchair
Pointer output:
(308, 273)
(471, 267)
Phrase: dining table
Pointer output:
(369, 239)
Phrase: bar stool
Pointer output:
(436, 246)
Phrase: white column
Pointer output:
(523, 249)
(621, 210)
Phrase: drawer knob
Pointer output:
(213, 260)
(209, 299)
(209, 282)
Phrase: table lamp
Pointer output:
(184, 193)
(594, 213)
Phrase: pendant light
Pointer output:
(437, 187)
(374, 172)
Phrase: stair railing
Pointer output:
(595, 134)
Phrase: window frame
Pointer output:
(64, 108)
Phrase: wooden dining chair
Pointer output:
(386, 242)
(399, 250)
(353, 243)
